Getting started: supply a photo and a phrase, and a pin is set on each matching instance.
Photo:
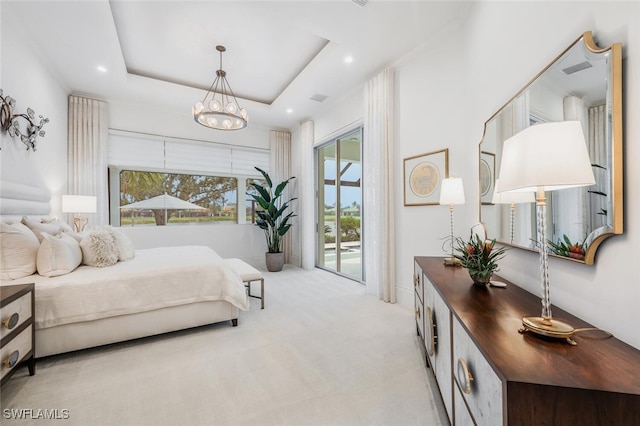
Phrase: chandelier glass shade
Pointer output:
(220, 109)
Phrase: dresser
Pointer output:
(17, 334)
(490, 374)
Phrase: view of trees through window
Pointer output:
(252, 205)
(158, 198)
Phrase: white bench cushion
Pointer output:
(242, 268)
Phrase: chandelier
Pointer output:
(224, 112)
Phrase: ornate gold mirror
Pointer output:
(584, 83)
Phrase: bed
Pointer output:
(157, 291)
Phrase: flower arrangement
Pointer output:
(479, 257)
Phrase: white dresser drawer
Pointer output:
(22, 344)
(463, 417)
(20, 307)
(484, 396)
(418, 282)
(441, 359)
(419, 313)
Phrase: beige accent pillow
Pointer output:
(58, 255)
(126, 251)
(38, 228)
(99, 249)
(18, 251)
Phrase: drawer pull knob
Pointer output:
(433, 337)
(415, 280)
(12, 321)
(11, 360)
(464, 376)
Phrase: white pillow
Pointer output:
(99, 249)
(58, 255)
(78, 236)
(124, 245)
(18, 251)
(54, 220)
(38, 228)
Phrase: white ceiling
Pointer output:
(279, 54)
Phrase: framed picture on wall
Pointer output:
(487, 176)
(422, 176)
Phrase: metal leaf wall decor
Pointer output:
(10, 122)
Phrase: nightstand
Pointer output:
(17, 332)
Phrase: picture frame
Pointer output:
(423, 175)
(487, 176)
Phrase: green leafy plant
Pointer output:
(273, 218)
(566, 248)
(479, 257)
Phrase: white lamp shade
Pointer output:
(511, 197)
(547, 156)
(452, 191)
(79, 204)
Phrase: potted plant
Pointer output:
(479, 257)
(273, 218)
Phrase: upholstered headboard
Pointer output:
(19, 199)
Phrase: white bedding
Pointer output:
(155, 278)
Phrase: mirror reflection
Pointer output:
(583, 84)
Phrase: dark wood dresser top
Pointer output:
(492, 317)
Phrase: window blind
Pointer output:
(156, 153)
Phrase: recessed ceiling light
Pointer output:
(289, 110)
(101, 68)
(348, 59)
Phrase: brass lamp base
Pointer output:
(548, 327)
(79, 222)
(451, 261)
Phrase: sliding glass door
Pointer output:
(339, 202)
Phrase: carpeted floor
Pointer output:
(320, 353)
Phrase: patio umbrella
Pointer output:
(161, 202)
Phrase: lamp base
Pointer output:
(548, 327)
(79, 223)
(451, 261)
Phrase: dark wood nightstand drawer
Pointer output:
(13, 315)
(16, 351)
(17, 335)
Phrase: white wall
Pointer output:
(448, 89)
(430, 115)
(26, 78)
(229, 241)
(508, 44)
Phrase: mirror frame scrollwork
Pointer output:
(616, 174)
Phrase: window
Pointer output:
(339, 201)
(167, 181)
(252, 205)
(158, 198)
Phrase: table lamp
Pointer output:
(511, 198)
(79, 204)
(545, 157)
(451, 192)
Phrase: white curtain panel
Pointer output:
(378, 200)
(306, 197)
(598, 147)
(280, 170)
(87, 153)
(515, 118)
(575, 226)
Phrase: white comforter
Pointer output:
(153, 279)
